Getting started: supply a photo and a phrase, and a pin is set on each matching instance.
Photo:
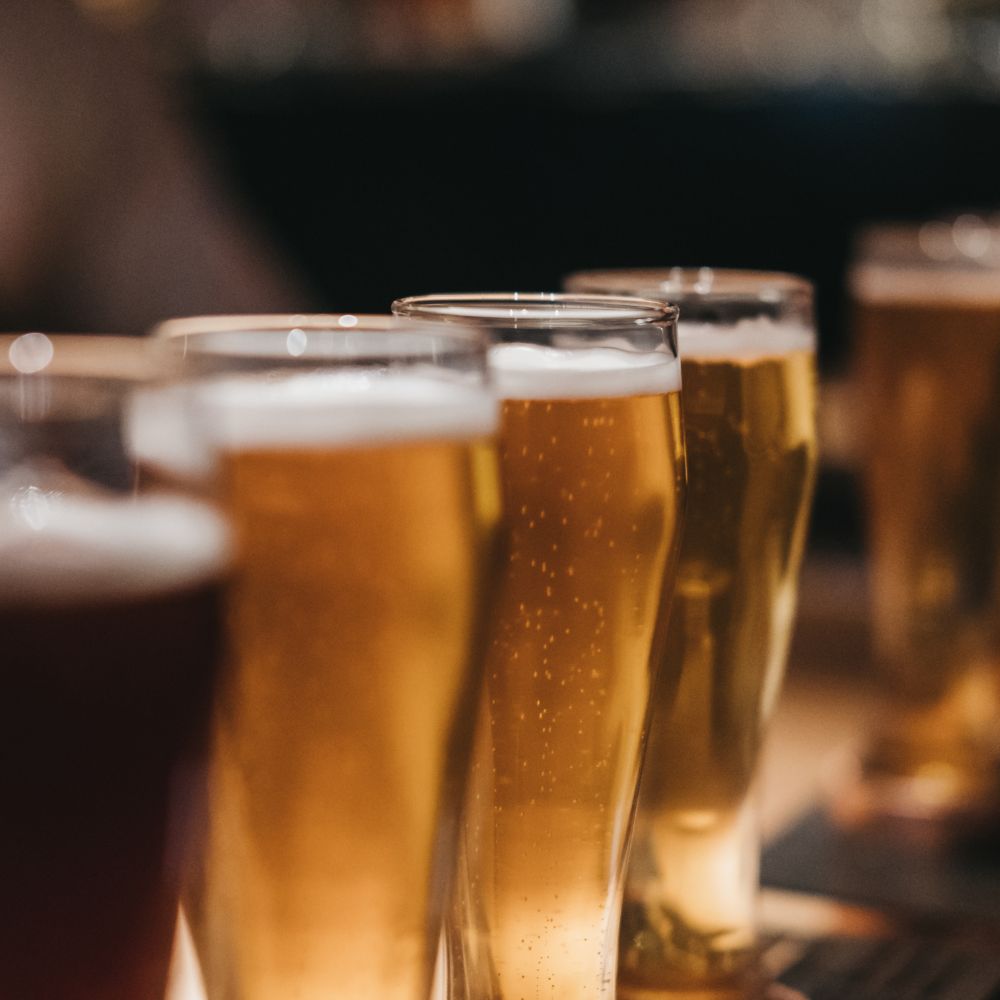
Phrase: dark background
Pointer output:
(384, 187)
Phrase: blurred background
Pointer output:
(172, 157)
(182, 156)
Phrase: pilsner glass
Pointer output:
(111, 618)
(358, 466)
(747, 346)
(592, 465)
(927, 323)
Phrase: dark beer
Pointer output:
(110, 624)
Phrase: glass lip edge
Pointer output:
(178, 326)
(181, 334)
(648, 311)
(786, 282)
(121, 359)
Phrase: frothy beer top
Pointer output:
(346, 407)
(533, 371)
(745, 340)
(58, 549)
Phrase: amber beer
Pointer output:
(365, 505)
(593, 478)
(928, 363)
(110, 612)
(747, 351)
(751, 466)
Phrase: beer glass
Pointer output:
(358, 466)
(110, 617)
(747, 346)
(927, 326)
(592, 465)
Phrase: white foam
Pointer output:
(746, 340)
(160, 432)
(533, 371)
(889, 284)
(57, 548)
(345, 407)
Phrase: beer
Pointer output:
(747, 354)
(929, 367)
(593, 479)
(110, 612)
(592, 465)
(749, 403)
(365, 507)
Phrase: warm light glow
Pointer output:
(30, 353)
(972, 236)
(936, 240)
(704, 281)
(185, 976)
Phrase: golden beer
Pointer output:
(749, 412)
(365, 507)
(592, 466)
(928, 340)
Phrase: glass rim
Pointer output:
(538, 310)
(101, 357)
(388, 341)
(313, 385)
(949, 261)
(180, 326)
(964, 247)
(315, 337)
(702, 282)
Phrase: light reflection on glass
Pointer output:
(32, 506)
(30, 353)
(296, 342)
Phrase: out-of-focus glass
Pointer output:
(927, 329)
(358, 467)
(747, 346)
(592, 463)
(110, 617)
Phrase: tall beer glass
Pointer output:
(592, 464)
(359, 470)
(927, 313)
(747, 347)
(110, 623)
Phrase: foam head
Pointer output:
(58, 548)
(345, 408)
(533, 371)
(952, 262)
(927, 285)
(745, 340)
